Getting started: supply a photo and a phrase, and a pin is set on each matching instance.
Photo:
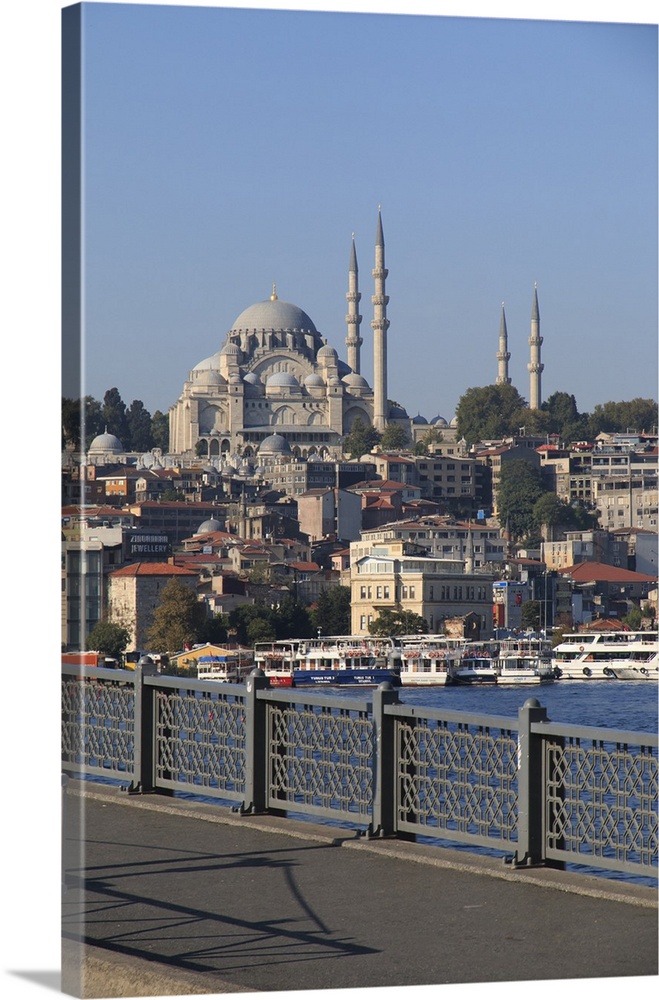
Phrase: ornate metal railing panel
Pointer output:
(98, 722)
(456, 776)
(199, 738)
(601, 798)
(320, 756)
(544, 792)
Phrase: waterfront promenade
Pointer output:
(174, 897)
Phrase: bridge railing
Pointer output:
(541, 792)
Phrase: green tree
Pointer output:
(139, 426)
(114, 417)
(488, 412)
(160, 430)
(292, 620)
(520, 487)
(633, 617)
(81, 417)
(394, 438)
(532, 615)
(636, 414)
(332, 612)
(551, 510)
(109, 638)
(361, 439)
(390, 622)
(179, 618)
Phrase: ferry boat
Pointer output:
(477, 664)
(524, 660)
(232, 668)
(607, 656)
(329, 660)
(428, 660)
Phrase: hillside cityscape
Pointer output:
(282, 496)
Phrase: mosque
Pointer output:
(276, 379)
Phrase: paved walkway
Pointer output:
(174, 898)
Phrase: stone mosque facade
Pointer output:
(276, 374)
(276, 384)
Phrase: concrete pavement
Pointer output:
(170, 897)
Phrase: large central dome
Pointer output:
(273, 314)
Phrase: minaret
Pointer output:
(534, 366)
(380, 325)
(503, 354)
(353, 319)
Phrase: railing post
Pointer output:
(384, 751)
(256, 747)
(530, 786)
(143, 753)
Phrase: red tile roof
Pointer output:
(603, 573)
(152, 569)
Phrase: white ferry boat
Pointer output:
(230, 668)
(524, 660)
(428, 660)
(329, 660)
(607, 655)
(477, 664)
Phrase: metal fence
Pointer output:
(541, 792)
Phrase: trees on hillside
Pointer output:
(394, 438)
(488, 412)
(362, 438)
(109, 638)
(520, 487)
(391, 622)
(331, 616)
(178, 619)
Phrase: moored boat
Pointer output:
(477, 665)
(329, 660)
(607, 656)
(524, 660)
(428, 659)
(230, 668)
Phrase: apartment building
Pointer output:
(399, 576)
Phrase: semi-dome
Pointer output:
(283, 379)
(209, 376)
(273, 314)
(212, 362)
(275, 444)
(106, 442)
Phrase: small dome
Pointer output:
(419, 419)
(439, 421)
(252, 378)
(230, 350)
(314, 380)
(211, 524)
(275, 444)
(283, 380)
(398, 413)
(454, 422)
(355, 381)
(106, 442)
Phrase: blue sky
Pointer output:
(226, 149)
